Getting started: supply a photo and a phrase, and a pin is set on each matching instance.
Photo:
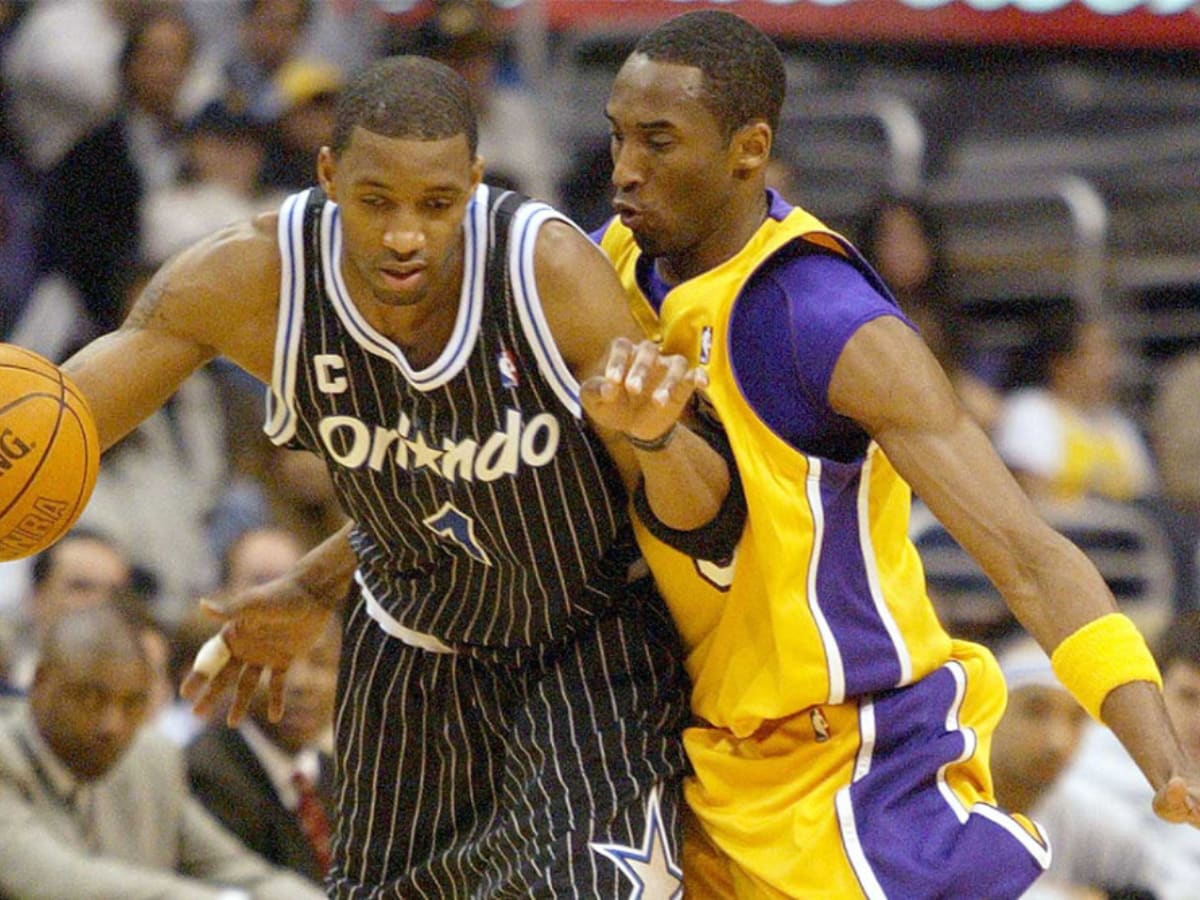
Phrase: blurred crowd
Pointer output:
(129, 128)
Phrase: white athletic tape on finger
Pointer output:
(212, 657)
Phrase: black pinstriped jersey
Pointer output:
(487, 512)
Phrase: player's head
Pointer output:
(1177, 652)
(1040, 730)
(402, 166)
(410, 97)
(91, 690)
(693, 111)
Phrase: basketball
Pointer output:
(49, 453)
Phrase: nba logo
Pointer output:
(508, 369)
(705, 344)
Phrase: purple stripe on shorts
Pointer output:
(911, 836)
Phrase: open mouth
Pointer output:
(631, 216)
(403, 278)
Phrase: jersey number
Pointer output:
(718, 575)
(453, 524)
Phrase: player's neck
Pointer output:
(745, 217)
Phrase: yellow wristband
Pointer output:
(1102, 655)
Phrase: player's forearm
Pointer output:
(1137, 716)
(326, 571)
(686, 481)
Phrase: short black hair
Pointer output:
(407, 97)
(744, 76)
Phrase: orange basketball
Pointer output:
(49, 453)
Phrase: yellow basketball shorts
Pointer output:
(886, 796)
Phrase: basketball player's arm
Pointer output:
(217, 297)
(628, 388)
(887, 380)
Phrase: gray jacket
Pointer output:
(147, 837)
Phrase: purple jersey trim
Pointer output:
(819, 300)
(869, 658)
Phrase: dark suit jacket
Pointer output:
(229, 780)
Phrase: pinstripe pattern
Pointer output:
(491, 522)
(402, 432)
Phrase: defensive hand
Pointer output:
(643, 391)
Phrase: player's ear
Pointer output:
(751, 147)
(476, 172)
(326, 167)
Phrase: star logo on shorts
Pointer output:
(650, 867)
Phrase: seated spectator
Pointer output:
(1175, 437)
(903, 241)
(224, 152)
(269, 33)
(1065, 437)
(1034, 743)
(271, 782)
(1114, 787)
(91, 804)
(91, 229)
(308, 91)
(83, 569)
(467, 36)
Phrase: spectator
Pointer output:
(92, 805)
(1065, 437)
(248, 56)
(464, 35)
(60, 64)
(92, 198)
(1032, 746)
(903, 241)
(308, 91)
(223, 154)
(83, 569)
(1175, 438)
(270, 782)
(1114, 788)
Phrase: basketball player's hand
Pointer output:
(642, 392)
(266, 627)
(1179, 801)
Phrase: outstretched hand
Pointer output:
(642, 392)
(1179, 801)
(265, 628)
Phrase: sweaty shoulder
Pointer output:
(221, 292)
(581, 296)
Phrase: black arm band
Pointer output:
(717, 539)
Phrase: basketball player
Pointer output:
(844, 735)
(510, 698)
